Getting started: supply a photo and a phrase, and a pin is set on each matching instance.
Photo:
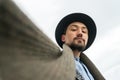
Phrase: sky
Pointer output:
(105, 50)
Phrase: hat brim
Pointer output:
(79, 17)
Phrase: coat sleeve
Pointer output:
(26, 53)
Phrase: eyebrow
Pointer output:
(84, 27)
(74, 25)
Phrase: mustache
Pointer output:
(79, 38)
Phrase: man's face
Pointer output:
(76, 36)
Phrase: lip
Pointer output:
(79, 38)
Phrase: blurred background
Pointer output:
(105, 50)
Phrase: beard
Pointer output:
(78, 47)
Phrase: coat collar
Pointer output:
(91, 67)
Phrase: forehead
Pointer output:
(77, 24)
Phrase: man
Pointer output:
(78, 31)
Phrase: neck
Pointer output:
(76, 53)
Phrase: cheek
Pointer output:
(69, 37)
(86, 37)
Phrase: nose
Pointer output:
(79, 33)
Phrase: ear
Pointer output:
(63, 38)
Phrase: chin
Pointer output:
(79, 47)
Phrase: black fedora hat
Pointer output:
(79, 17)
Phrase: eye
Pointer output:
(73, 29)
(84, 31)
